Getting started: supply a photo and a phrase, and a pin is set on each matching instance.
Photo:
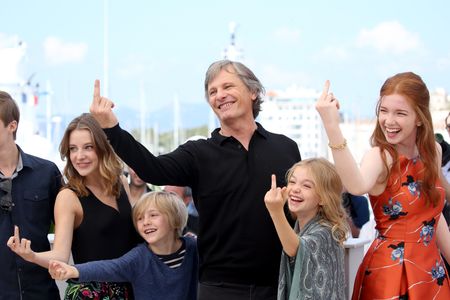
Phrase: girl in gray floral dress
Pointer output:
(312, 262)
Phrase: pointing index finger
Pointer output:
(326, 88)
(97, 90)
(274, 182)
(16, 233)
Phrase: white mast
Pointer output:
(156, 138)
(48, 111)
(105, 83)
(232, 52)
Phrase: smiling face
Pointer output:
(154, 227)
(82, 153)
(229, 98)
(398, 121)
(303, 199)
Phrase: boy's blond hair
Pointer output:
(168, 204)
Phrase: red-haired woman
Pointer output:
(401, 173)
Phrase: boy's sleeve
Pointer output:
(122, 269)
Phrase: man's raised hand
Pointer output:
(101, 108)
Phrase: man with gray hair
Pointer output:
(229, 174)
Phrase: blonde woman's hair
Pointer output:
(328, 186)
(168, 204)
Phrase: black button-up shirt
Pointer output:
(237, 240)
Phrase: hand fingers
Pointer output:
(16, 240)
(279, 195)
(55, 270)
(97, 90)
(284, 193)
(326, 88)
(274, 182)
(26, 244)
(53, 265)
(10, 243)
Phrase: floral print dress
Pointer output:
(404, 261)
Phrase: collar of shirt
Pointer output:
(220, 139)
(19, 167)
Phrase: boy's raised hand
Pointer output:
(62, 271)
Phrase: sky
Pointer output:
(161, 49)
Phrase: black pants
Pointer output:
(231, 291)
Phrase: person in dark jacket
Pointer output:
(357, 208)
(28, 189)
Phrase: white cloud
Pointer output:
(8, 40)
(60, 52)
(389, 37)
(287, 34)
(333, 53)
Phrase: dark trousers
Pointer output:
(231, 291)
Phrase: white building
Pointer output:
(440, 108)
(27, 97)
(292, 112)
